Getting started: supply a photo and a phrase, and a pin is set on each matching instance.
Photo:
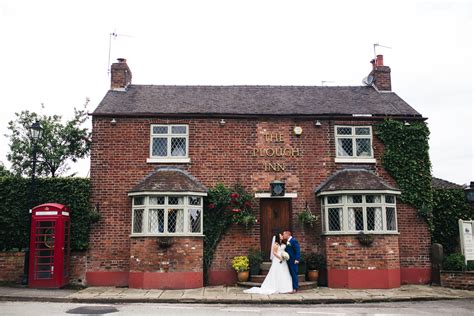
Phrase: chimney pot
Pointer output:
(379, 61)
(122, 60)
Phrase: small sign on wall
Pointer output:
(467, 239)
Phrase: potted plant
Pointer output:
(302, 264)
(255, 259)
(241, 265)
(315, 263)
(307, 218)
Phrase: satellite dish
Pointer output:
(368, 81)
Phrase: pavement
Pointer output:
(232, 295)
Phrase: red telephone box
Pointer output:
(49, 246)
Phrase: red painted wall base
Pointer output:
(165, 280)
(415, 276)
(222, 277)
(364, 279)
(107, 278)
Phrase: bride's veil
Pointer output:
(271, 248)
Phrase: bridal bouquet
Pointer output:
(285, 256)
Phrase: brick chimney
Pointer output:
(381, 74)
(121, 76)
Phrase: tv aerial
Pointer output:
(378, 45)
(114, 36)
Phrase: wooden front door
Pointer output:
(275, 215)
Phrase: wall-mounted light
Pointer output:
(297, 130)
(222, 122)
(113, 121)
(317, 123)
(277, 188)
(406, 123)
(469, 191)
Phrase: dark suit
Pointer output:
(293, 250)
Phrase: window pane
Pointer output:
(178, 146)
(159, 147)
(156, 221)
(373, 199)
(160, 129)
(175, 200)
(389, 199)
(391, 220)
(354, 199)
(194, 221)
(194, 200)
(356, 218)
(335, 219)
(157, 200)
(139, 200)
(138, 221)
(363, 147)
(334, 199)
(179, 129)
(344, 147)
(374, 218)
(362, 131)
(175, 220)
(344, 131)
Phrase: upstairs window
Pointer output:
(354, 143)
(169, 143)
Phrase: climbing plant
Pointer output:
(449, 205)
(223, 207)
(407, 160)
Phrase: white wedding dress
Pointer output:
(278, 279)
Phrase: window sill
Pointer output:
(168, 160)
(355, 160)
(165, 235)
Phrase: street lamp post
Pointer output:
(36, 132)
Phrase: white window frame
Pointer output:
(147, 207)
(345, 205)
(354, 158)
(169, 135)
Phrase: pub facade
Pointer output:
(157, 149)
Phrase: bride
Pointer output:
(278, 279)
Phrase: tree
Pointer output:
(59, 144)
(4, 172)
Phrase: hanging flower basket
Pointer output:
(365, 239)
(165, 242)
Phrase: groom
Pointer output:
(293, 250)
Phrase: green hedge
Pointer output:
(15, 203)
(449, 205)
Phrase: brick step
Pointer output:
(260, 277)
(265, 265)
(302, 285)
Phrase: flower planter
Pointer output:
(313, 275)
(243, 276)
(365, 239)
(165, 242)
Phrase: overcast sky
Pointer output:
(57, 52)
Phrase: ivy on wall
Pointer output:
(449, 205)
(15, 203)
(223, 207)
(407, 160)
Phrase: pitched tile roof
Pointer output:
(354, 180)
(169, 180)
(145, 100)
(443, 184)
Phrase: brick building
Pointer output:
(156, 150)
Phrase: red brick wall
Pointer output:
(11, 266)
(224, 154)
(346, 252)
(458, 279)
(78, 267)
(184, 255)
